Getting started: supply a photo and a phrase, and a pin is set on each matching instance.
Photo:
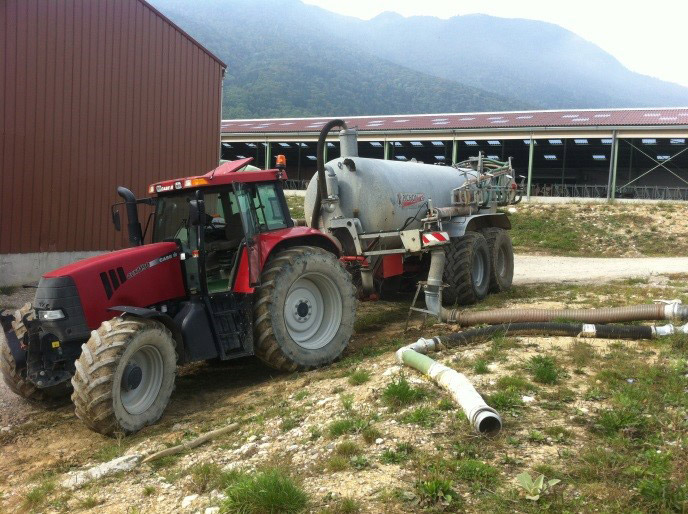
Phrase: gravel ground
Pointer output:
(533, 269)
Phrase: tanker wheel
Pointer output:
(125, 375)
(15, 376)
(502, 255)
(467, 270)
(304, 310)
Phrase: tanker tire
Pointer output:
(502, 254)
(97, 396)
(273, 341)
(462, 253)
(15, 376)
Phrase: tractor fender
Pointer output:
(163, 318)
(459, 225)
(270, 242)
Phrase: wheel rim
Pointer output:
(141, 380)
(478, 271)
(501, 262)
(313, 311)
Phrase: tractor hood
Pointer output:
(140, 277)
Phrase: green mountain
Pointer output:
(287, 58)
(281, 64)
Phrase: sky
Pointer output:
(646, 37)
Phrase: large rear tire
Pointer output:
(15, 376)
(125, 375)
(304, 309)
(502, 257)
(467, 270)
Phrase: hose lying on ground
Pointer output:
(604, 315)
(564, 329)
(482, 417)
(658, 311)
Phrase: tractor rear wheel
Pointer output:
(15, 376)
(502, 256)
(125, 375)
(467, 270)
(304, 309)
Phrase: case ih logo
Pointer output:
(112, 280)
(410, 199)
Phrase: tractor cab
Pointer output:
(218, 226)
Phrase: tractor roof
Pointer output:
(226, 173)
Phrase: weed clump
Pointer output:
(544, 369)
(400, 393)
(270, 490)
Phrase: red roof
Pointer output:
(226, 173)
(480, 120)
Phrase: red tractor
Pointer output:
(226, 275)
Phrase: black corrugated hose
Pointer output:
(550, 329)
(322, 185)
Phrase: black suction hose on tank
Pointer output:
(550, 329)
(322, 185)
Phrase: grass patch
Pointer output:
(271, 490)
(505, 400)
(359, 377)
(477, 473)
(422, 416)
(295, 204)
(208, 476)
(343, 506)
(38, 495)
(347, 449)
(544, 369)
(351, 425)
(370, 433)
(337, 463)
(401, 453)
(400, 393)
(480, 367)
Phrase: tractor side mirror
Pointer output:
(116, 220)
(196, 212)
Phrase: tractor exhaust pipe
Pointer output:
(133, 224)
(660, 311)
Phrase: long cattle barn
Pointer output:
(605, 153)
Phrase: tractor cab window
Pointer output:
(262, 208)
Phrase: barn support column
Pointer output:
(267, 155)
(386, 154)
(455, 151)
(612, 168)
(616, 165)
(530, 165)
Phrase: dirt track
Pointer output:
(532, 269)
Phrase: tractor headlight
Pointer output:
(51, 315)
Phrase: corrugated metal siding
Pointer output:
(95, 94)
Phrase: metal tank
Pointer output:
(387, 195)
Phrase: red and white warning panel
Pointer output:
(434, 238)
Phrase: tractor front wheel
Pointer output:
(125, 375)
(304, 309)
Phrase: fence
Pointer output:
(600, 191)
